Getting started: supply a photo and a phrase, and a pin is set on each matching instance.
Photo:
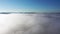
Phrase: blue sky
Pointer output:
(29, 5)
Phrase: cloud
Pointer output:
(28, 24)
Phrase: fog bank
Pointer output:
(29, 24)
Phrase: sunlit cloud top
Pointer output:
(29, 5)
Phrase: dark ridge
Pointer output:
(29, 13)
(4, 13)
(19, 12)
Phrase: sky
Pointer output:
(29, 5)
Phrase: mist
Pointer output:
(29, 24)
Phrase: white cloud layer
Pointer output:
(26, 24)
